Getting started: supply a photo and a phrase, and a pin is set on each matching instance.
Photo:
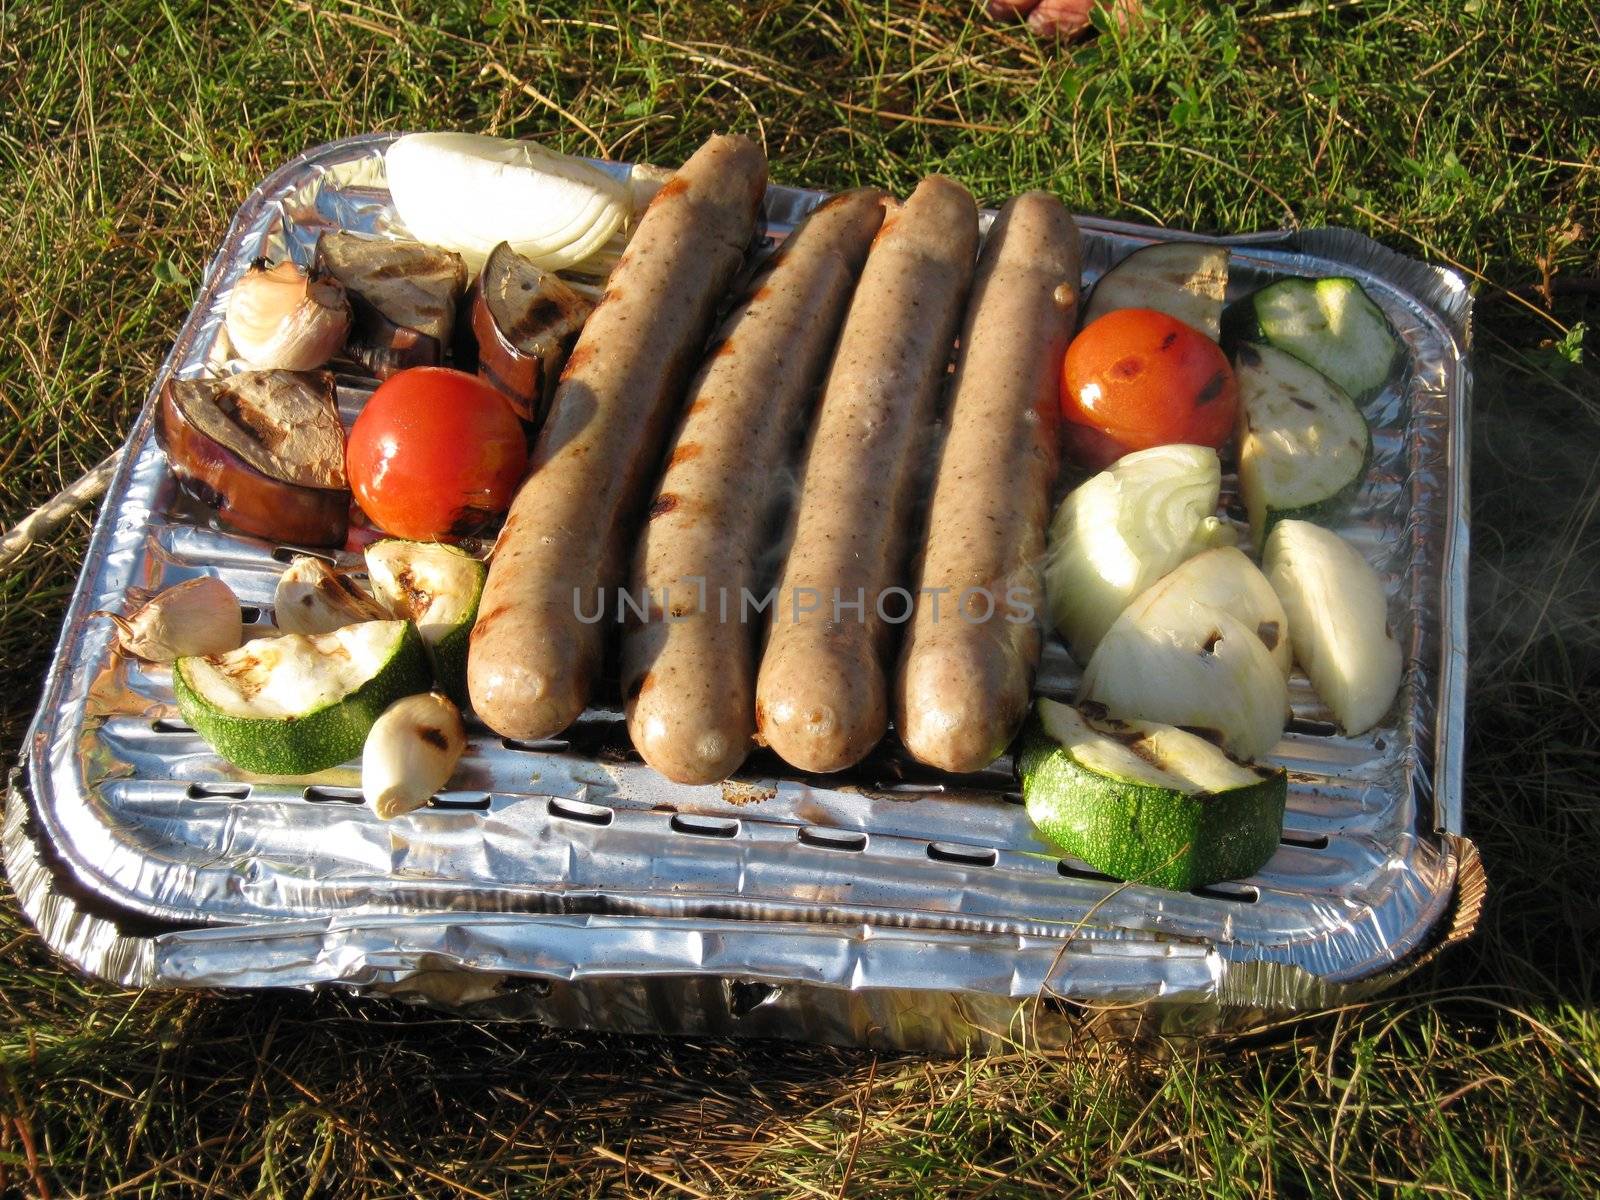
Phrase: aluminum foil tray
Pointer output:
(566, 881)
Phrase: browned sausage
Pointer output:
(567, 536)
(966, 667)
(688, 671)
(822, 694)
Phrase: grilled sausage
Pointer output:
(967, 663)
(822, 693)
(689, 671)
(567, 536)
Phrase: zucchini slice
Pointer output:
(1338, 621)
(1147, 802)
(295, 704)
(1303, 445)
(437, 587)
(1123, 529)
(1185, 280)
(1329, 324)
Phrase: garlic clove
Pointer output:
(410, 753)
(198, 616)
(312, 598)
(281, 318)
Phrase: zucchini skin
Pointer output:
(448, 655)
(318, 740)
(1328, 511)
(1144, 834)
(1241, 323)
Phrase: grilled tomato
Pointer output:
(1138, 378)
(435, 454)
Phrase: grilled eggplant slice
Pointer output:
(525, 320)
(265, 448)
(404, 296)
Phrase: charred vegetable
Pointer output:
(198, 616)
(265, 448)
(1224, 578)
(1186, 280)
(281, 318)
(525, 320)
(1303, 446)
(1176, 659)
(437, 587)
(1148, 802)
(294, 704)
(312, 597)
(404, 295)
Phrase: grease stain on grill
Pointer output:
(736, 793)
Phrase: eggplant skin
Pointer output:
(385, 348)
(524, 322)
(248, 499)
(403, 296)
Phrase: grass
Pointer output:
(1463, 130)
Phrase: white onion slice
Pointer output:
(468, 193)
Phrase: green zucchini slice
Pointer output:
(1329, 324)
(1303, 445)
(1146, 802)
(438, 588)
(295, 704)
(1185, 280)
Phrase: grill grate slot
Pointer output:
(1073, 869)
(696, 826)
(461, 801)
(824, 838)
(1237, 893)
(541, 746)
(249, 613)
(1307, 841)
(1310, 727)
(577, 810)
(218, 791)
(971, 856)
(169, 725)
(322, 793)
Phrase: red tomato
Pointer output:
(1138, 378)
(435, 453)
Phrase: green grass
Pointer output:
(1463, 130)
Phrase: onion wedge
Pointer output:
(1338, 621)
(469, 193)
(1122, 530)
